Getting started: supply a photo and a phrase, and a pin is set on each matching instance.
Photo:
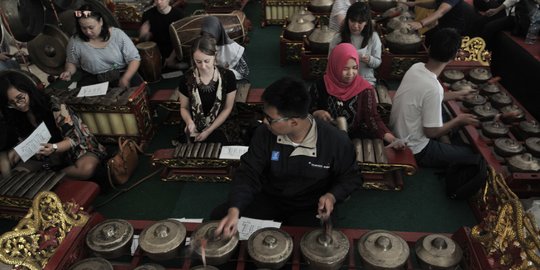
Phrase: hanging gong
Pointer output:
(108, 16)
(25, 18)
(48, 50)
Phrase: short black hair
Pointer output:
(289, 96)
(445, 44)
(104, 34)
(358, 12)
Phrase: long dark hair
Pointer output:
(104, 34)
(357, 12)
(39, 102)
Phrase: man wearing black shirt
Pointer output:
(296, 167)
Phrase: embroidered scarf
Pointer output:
(199, 118)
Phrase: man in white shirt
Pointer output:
(417, 107)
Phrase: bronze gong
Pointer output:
(48, 50)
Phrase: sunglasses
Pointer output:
(19, 100)
(82, 13)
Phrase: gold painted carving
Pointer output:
(37, 236)
(474, 49)
(509, 235)
(292, 51)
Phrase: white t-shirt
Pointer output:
(417, 104)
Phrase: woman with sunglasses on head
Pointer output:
(207, 93)
(357, 29)
(72, 148)
(343, 92)
(229, 53)
(103, 53)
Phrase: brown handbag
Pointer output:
(121, 166)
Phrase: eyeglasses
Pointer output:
(82, 13)
(272, 121)
(19, 100)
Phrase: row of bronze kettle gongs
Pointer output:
(269, 247)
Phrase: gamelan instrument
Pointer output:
(505, 127)
(383, 167)
(195, 162)
(186, 30)
(119, 113)
(292, 248)
(150, 67)
(276, 12)
(17, 189)
(28, 184)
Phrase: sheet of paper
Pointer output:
(232, 151)
(72, 86)
(31, 145)
(134, 244)
(247, 226)
(99, 89)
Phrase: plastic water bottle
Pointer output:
(532, 33)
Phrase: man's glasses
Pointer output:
(19, 100)
(82, 13)
(272, 120)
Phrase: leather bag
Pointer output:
(121, 166)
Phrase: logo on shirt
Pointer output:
(275, 156)
(322, 166)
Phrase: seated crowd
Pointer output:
(298, 165)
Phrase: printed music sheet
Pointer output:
(99, 89)
(247, 226)
(232, 151)
(31, 145)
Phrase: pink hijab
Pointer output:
(337, 60)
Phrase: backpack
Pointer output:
(524, 10)
(465, 177)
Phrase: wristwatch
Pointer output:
(54, 147)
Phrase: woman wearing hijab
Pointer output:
(230, 54)
(343, 92)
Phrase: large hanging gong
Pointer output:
(25, 18)
(48, 50)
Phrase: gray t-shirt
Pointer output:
(117, 54)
